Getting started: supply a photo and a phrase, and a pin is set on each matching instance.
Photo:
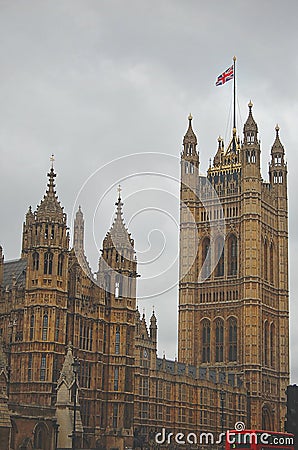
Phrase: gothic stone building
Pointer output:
(74, 348)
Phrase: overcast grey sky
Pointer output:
(93, 81)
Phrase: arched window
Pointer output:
(46, 233)
(117, 286)
(205, 341)
(60, 265)
(233, 255)
(40, 437)
(31, 334)
(266, 343)
(45, 324)
(57, 327)
(220, 257)
(48, 263)
(206, 258)
(232, 339)
(107, 288)
(116, 378)
(117, 341)
(30, 359)
(219, 340)
(42, 376)
(272, 345)
(35, 261)
(265, 261)
(271, 264)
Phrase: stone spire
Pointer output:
(118, 235)
(50, 207)
(250, 124)
(153, 327)
(65, 404)
(220, 151)
(78, 242)
(190, 137)
(67, 374)
(277, 147)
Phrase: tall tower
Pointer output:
(37, 355)
(235, 317)
(117, 275)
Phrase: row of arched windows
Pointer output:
(45, 327)
(47, 263)
(225, 342)
(225, 264)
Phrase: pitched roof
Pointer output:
(15, 269)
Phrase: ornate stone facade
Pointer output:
(233, 325)
(233, 302)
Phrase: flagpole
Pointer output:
(234, 110)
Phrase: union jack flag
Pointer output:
(226, 76)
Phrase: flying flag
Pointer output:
(225, 76)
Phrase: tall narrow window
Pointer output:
(232, 339)
(30, 359)
(233, 255)
(117, 286)
(45, 324)
(206, 258)
(48, 263)
(55, 368)
(220, 252)
(116, 378)
(35, 261)
(266, 343)
(205, 341)
(57, 327)
(107, 288)
(90, 337)
(266, 261)
(42, 376)
(219, 340)
(271, 264)
(272, 345)
(60, 265)
(117, 341)
(115, 415)
(31, 334)
(52, 231)
(46, 233)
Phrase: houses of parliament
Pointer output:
(78, 362)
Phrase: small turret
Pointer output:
(277, 167)
(117, 267)
(220, 151)
(153, 327)
(251, 152)
(190, 163)
(78, 243)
